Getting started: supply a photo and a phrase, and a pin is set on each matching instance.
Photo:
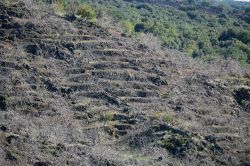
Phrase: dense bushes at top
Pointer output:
(243, 36)
(202, 28)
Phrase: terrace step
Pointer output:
(78, 37)
(14, 92)
(34, 104)
(11, 65)
(4, 71)
(122, 127)
(163, 62)
(133, 65)
(83, 87)
(112, 74)
(223, 129)
(112, 65)
(116, 52)
(99, 95)
(76, 71)
(132, 93)
(95, 45)
(129, 75)
(139, 100)
(64, 37)
(86, 101)
(147, 107)
(123, 84)
(121, 132)
(81, 78)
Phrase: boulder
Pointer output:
(242, 96)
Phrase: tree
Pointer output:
(139, 27)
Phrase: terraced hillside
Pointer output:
(73, 93)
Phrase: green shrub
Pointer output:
(165, 117)
(107, 116)
(192, 15)
(86, 11)
(168, 119)
(127, 26)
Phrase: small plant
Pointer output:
(164, 95)
(167, 118)
(60, 5)
(130, 74)
(107, 116)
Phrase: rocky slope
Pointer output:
(73, 93)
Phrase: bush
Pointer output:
(86, 11)
(227, 35)
(192, 15)
(145, 6)
(127, 26)
(139, 27)
(244, 37)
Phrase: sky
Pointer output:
(244, 0)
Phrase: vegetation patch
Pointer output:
(176, 144)
(166, 117)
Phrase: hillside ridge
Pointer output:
(74, 93)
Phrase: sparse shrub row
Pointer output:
(72, 7)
